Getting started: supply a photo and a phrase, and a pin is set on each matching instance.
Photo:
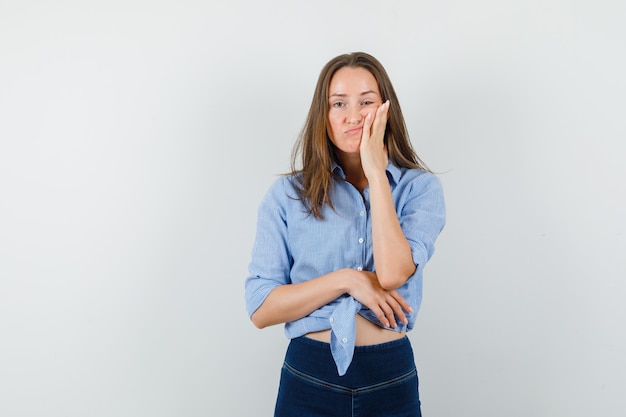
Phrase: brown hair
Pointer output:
(317, 152)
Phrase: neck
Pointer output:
(351, 165)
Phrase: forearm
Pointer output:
(293, 301)
(392, 254)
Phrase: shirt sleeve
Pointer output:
(422, 217)
(271, 258)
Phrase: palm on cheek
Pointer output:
(373, 152)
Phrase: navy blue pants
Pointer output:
(381, 382)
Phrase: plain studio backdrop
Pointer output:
(137, 139)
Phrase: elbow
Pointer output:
(395, 279)
(391, 283)
(257, 320)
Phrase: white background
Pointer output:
(137, 139)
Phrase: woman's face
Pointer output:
(352, 94)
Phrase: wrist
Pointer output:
(378, 178)
(346, 279)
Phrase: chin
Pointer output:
(350, 150)
(354, 147)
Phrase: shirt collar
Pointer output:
(337, 170)
(393, 172)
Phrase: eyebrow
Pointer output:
(345, 95)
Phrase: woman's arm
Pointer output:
(392, 254)
(293, 301)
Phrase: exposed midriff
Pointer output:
(367, 333)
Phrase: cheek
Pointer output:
(333, 128)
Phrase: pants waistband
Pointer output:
(372, 364)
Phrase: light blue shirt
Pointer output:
(292, 246)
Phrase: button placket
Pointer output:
(361, 221)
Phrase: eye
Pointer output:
(338, 104)
(367, 102)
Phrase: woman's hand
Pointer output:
(386, 305)
(373, 151)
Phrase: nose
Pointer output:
(355, 116)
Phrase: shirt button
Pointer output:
(359, 268)
(360, 240)
(344, 340)
(362, 213)
(332, 320)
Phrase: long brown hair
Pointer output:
(317, 152)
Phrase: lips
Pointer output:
(354, 130)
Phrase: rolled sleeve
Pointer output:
(271, 259)
(422, 217)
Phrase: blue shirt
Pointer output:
(292, 246)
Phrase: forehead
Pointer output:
(353, 81)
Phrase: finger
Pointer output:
(383, 109)
(397, 308)
(380, 314)
(403, 303)
(380, 121)
(391, 318)
(367, 127)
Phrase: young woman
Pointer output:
(340, 248)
